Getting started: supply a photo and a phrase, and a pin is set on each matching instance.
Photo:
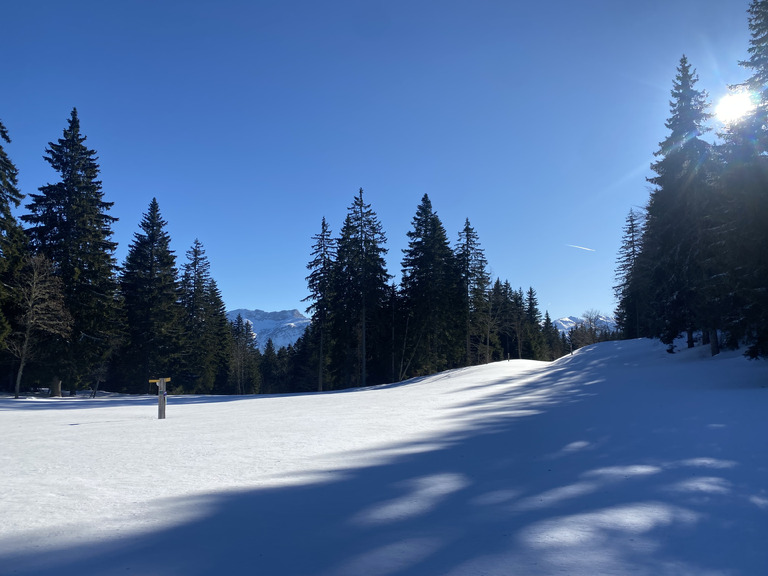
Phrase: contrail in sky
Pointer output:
(580, 247)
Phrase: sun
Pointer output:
(734, 106)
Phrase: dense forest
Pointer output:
(71, 317)
(695, 261)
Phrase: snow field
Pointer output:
(618, 459)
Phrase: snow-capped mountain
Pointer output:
(283, 327)
(569, 322)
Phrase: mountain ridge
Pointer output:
(602, 322)
(283, 327)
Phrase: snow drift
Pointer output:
(618, 459)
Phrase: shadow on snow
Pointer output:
(550, 474)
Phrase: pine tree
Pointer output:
(269, 369)
(551, 337)
(750, 134)
(206, 338)
(515, 318)
(476, 281)
(150, 291)
(532, 343)
(675, 234)
(507, 339)
(12, 239)
(430, 286)
(744, 185)
(320, 284)
(244, 355)
(360, 290)
(629, 290)
(70, 225)
(487, 324)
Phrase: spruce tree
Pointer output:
(320, 284)
(750, 134)
(629, 290)
(516, 320)
(507, 314)
(744, 187)
(244, 358)
(269, 369)
(360, 291)
(476, 281)
(12, 239)
(69, 224)
(206, 336)
(675, 234)
(149, 286)
(551, 337)
(533, 341)
(431, 290)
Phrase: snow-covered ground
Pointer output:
(620, 459)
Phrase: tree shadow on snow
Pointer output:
(550, 475)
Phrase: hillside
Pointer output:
(618, 459)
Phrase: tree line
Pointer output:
(695, 260)
(71, 316)
(446, 312)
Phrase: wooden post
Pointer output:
(161, 396)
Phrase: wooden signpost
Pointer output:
(161, 395)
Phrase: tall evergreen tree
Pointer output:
(431, 289)
(12, 239)
(269, 369)
(533, 343)
(745, 186)
(476, 281)
(553, 347)
(70, 225)
(150, 291)
(244, 358)
(360, 290)
(750, 134)
(206, 338)
(515, 319)
(675, 233)
(320, 284)
(629, 290)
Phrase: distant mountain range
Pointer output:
(286, 326)
(602, 323)
(283, 327)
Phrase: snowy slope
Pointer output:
(283, 327)
(619, 459)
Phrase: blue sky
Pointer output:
(251, 120)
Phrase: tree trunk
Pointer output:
(22, 362)
(18, 376)
(56, 387)
(690, 338)
(321, 361)
(363, 345)
(714, 344)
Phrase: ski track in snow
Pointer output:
(618, 459)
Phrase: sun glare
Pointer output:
(733, 107)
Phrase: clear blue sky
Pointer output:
(251, 120)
